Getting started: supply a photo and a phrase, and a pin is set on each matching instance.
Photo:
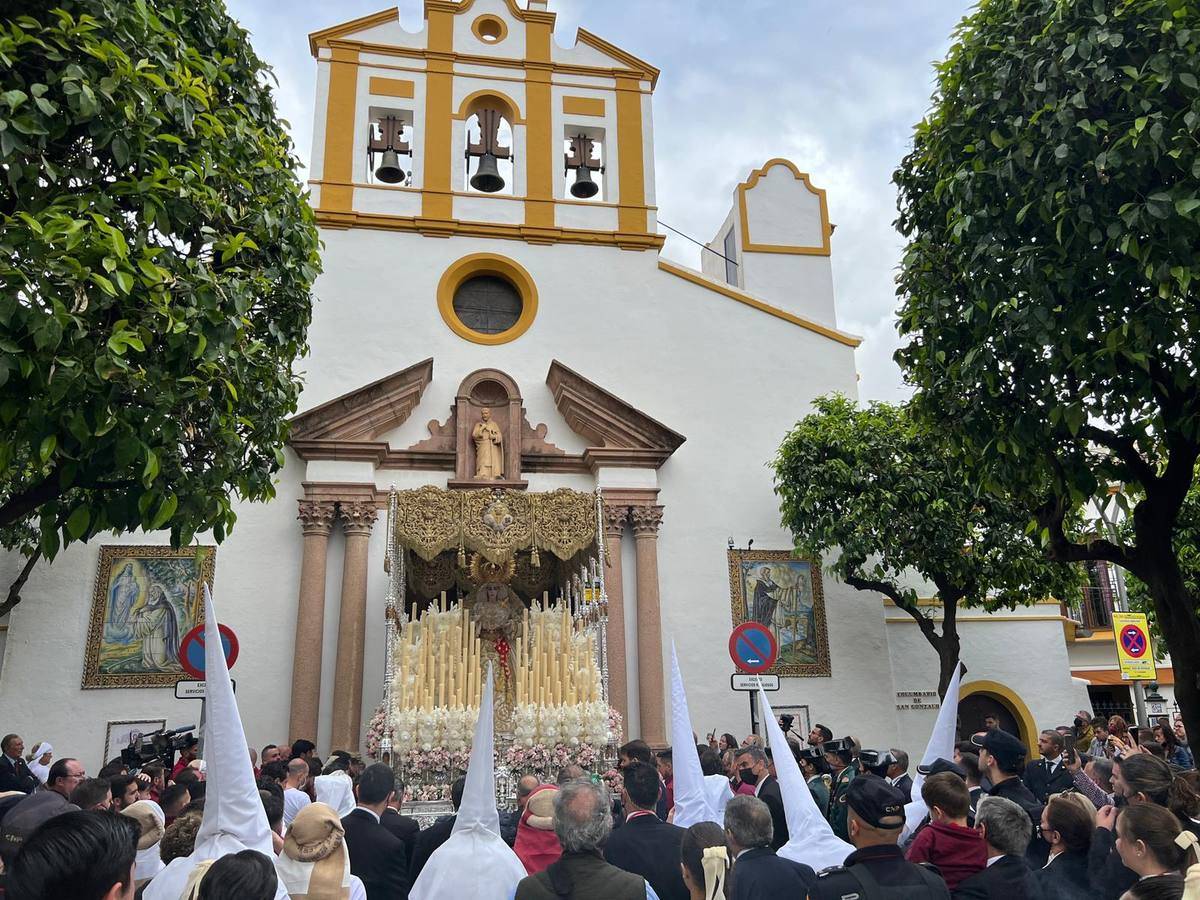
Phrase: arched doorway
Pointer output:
(982, 698)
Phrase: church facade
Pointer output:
(494, 313)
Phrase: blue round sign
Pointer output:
(752, 647)
(191, 650)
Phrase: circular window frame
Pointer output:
(497, 29)
(478, 264)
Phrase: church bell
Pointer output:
(389, 170)
(584, 187)
(487, 177)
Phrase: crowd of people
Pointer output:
(1106, 811)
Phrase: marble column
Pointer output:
(316, 520)
(357, 519)
(615, 517)
(651, 707)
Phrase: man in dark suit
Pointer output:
(377, 856)
(752, 768)
(1048, 775)
(1006, 828)
(898, 775)
(404, 827)
(647, 846)
(758, 874)
(14, 773)
(437, 833)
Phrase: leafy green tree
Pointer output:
(1051, 204)
(875, 488)
(156, 258)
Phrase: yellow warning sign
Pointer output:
(1134, 653)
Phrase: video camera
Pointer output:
(159, 746)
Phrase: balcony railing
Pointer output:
(1093, 609)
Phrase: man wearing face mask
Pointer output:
(752, 769)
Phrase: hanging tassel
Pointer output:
(534, 559)
(462, 558)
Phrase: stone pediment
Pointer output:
(619, 434)
(349, 427)
(369, 411)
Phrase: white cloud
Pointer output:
(835, 86)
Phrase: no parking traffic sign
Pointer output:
(1132, 634)
(752, 647)
(191, 650)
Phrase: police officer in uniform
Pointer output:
(877, 870)
(876, 762)
(816, 773)
(840, 756)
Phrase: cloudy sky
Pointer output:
(834, 85)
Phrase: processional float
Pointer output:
(504, 576)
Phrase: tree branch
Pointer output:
(1062, 549)
(14, 591)
(1126, 450)
(20, 505)
(894, 594)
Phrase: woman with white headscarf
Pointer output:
(39, 762)
(315, 864)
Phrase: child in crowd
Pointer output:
(947, 842)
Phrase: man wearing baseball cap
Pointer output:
(1002, 759)
(876, 870)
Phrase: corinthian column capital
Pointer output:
(316, 516)
(358, 517)
(646, 520)
(615, 518)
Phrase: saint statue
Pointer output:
(489, 447)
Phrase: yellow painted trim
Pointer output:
(489, 20)
(392, 87)
(583, 106)
(539, 137)
(448, 227)
(643, 68)
(338, 164)
(932, 601)
(321, 38)
(1010, 698)
(631, 181)
(500, 267)
(997, 620)
(522, 15)
(472, 103)
(498, 62)
(696, 278)
(376, 186)
(827, 231)
(439, 98)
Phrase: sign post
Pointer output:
(191, 659)
(1134, 653)
(753, 649)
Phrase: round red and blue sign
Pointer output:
(191, 650)
(753, 648)
(1133, 641)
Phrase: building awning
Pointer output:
(1113, 676)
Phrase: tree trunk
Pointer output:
(1176, 611)
(948, 649)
